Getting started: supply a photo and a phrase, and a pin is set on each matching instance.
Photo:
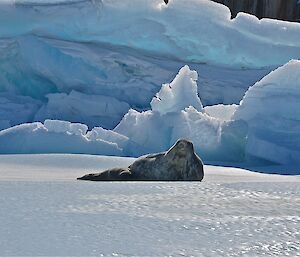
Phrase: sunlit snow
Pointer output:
(233, 212)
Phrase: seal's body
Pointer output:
(179, 163)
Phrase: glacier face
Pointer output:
(114, 59)
(153, 27)
(125, 50)
(263, 128)
(57, 68)
(139, 132)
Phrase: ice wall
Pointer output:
(189, 30)
(271, 109)
(177, 112)
(57, 72)
(88, 109)
(49, 49)
(263, 129)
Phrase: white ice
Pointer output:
(179, 94)
(262, 129)
(90, 56)
(162, 30)
(271, 109)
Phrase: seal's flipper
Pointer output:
(118, 174)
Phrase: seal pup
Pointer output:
(179, 163)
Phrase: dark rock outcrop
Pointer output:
(277, 9)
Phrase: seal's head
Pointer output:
(182, 148)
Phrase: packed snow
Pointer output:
(45, 211)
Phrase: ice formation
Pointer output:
(271, 109)
(179, 94)
(264, 127)
(46, 53)
(87, 72)
(89, 109)
(15, 109)
(53, 137)
(178, 114)
(221, 112)
(163, 30)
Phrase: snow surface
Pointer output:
(45, 211)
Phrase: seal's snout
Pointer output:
(85, 177)
(184, 144)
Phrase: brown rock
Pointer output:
(276, 9)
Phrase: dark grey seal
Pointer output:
(179, 163)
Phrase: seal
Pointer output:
(179, 163)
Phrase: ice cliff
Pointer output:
(264, 127)
(114, 55)
(271, 109)
(93, 85)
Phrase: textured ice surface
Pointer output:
(93, 110)
(152, 27)
(173, 116)
(221, 111)
(58, 71)
(263, 128)
(271, 109)
(45, 48)
(179, 94)
(233, 212)
(15, 109)
(53, 137)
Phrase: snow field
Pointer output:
(233, 212)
